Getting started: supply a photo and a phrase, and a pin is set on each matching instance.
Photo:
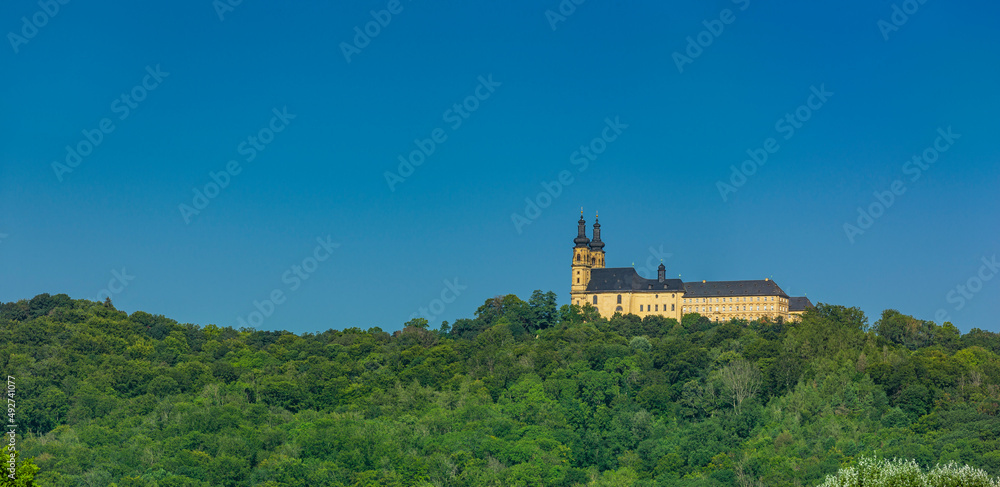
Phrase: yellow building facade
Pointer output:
(622, 290)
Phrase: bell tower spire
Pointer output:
(597, 246)
(581, 239)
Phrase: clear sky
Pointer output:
(497, 98)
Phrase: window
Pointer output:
(618, 309)
(578, 280)
(656, 307)
(640, 307)
(619, 299)
(671, 307)
(595, 299)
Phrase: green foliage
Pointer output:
(543, 310)
(523, 393)
(24, 472)
(640, 344)
(913, 333)
(416, 323)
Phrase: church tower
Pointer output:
(597, 247)
(582, 258)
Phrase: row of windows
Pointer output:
(723, 300)
(620, 299)
(655, 307)
(725, 308)
(742, 317)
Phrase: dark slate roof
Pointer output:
(799, 303)
(732, 288)
(627, 279)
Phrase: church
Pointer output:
(622, 290)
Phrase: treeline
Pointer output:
(523, 393)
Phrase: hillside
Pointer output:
(521, 394)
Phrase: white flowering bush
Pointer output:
(879, 472)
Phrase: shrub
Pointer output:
(879, 472)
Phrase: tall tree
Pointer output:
(742, 379)
(543, 310)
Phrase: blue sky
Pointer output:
(309, 216)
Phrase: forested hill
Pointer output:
(521, 394)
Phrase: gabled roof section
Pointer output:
(627, 279)
(732, 288)
(799, 303)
